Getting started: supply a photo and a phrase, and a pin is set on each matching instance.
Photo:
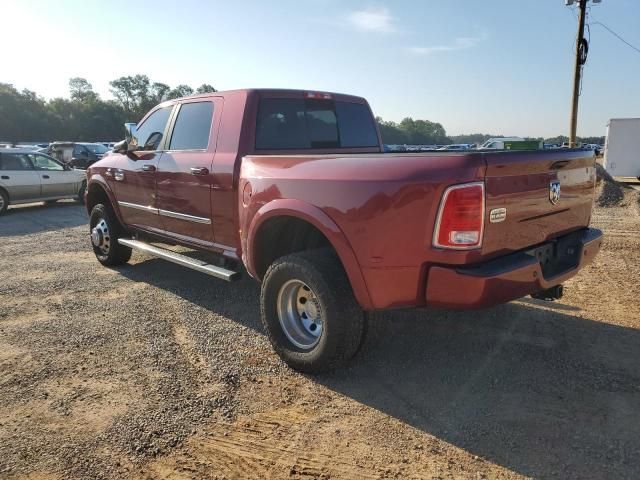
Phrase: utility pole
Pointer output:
(581, 57)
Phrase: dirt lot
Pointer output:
(152, 371)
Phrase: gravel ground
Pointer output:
(154, 371)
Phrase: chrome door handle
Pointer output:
(148, 168)
(199, 171)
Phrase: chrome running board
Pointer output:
(183, 260)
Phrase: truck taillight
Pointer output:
(460, 220)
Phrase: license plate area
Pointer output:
(546, 256)
(558, 256)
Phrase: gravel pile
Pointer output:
(612, 193)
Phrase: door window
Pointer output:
(149, 134)
(193, 127)
(45, 163)
(14, 161)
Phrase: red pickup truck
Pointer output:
(295, 187)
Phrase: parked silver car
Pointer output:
(27, 176)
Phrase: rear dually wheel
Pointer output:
(309, 312)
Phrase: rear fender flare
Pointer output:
(319, 219)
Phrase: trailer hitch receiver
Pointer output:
(550, 294)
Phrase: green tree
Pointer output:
(180, 91)
(423, 132)
(391, 133)
(159, 92)
(23, 115)
(205, 88)
(134, 94)
(82, 91)
(84, 116)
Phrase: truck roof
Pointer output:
(273, 92)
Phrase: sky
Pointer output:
(493, 66)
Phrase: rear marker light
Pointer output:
(460, 220)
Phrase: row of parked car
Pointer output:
(46, 171)
(75, 154)
(498, 143)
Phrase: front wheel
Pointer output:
(105, 231)
(308, 309)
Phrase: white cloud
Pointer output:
(460, 43)
(372, 20)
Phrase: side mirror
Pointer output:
(131, 137)
(121, 147)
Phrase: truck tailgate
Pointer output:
(521, 183)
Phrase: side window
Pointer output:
(192, 127)
(45, 163)
(149, 134)
(14, 162)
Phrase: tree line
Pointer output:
(84, 116)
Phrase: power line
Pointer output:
(616, 35)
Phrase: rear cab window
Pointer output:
(312, 123)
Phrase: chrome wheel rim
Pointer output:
(100, 237)
(300, 314)
(1, 202)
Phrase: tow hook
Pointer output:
(550, 294)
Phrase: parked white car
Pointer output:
(497, 143)
(455, 147)
(27, 176)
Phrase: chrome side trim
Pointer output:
(184, 216)
(166, 213)
(139, 207)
